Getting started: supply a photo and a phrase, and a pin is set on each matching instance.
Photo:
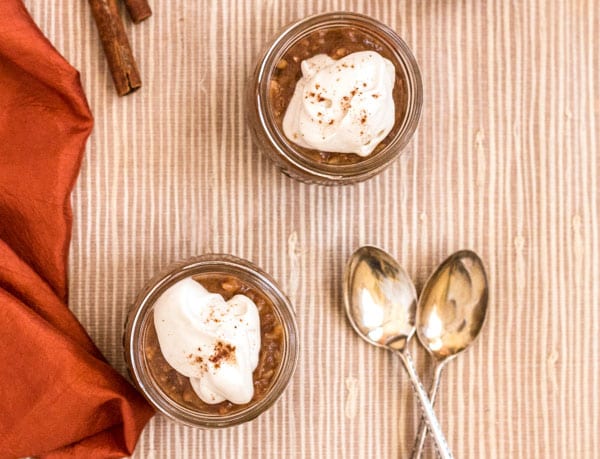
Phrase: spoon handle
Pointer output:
(422, 432)
(442, 447)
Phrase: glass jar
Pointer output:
(140, 320)
(290, 158)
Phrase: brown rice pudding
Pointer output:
(332, 50)
(219, 354)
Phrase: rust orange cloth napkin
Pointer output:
(59, 398)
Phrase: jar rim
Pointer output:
(405, 62)
(141, 313)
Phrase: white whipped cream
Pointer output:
(213, 342)
(343, 106)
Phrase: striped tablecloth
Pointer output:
(505, 161)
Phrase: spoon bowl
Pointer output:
(380, 298)
(453, 305)
(380, 301)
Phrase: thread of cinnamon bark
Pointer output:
(138, 10)
(116, 46)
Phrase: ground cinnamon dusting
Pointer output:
(198, 361)
(223, 352)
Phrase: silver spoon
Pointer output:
(381, 302)
(450, 315)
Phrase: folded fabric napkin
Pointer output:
(58, 396)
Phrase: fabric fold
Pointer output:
(59, 397)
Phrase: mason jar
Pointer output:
(264, 90)
(139, 331)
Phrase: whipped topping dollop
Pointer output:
(213, 342)
(344, 105)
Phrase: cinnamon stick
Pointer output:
(116, 46)
(138, 10)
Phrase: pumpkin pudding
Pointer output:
(222, 351)
(337, 95)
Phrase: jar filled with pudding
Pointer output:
(335, 98)
(212, 342)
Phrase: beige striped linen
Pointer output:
(505, 161)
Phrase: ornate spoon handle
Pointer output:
(433, 424)
(422, 432)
